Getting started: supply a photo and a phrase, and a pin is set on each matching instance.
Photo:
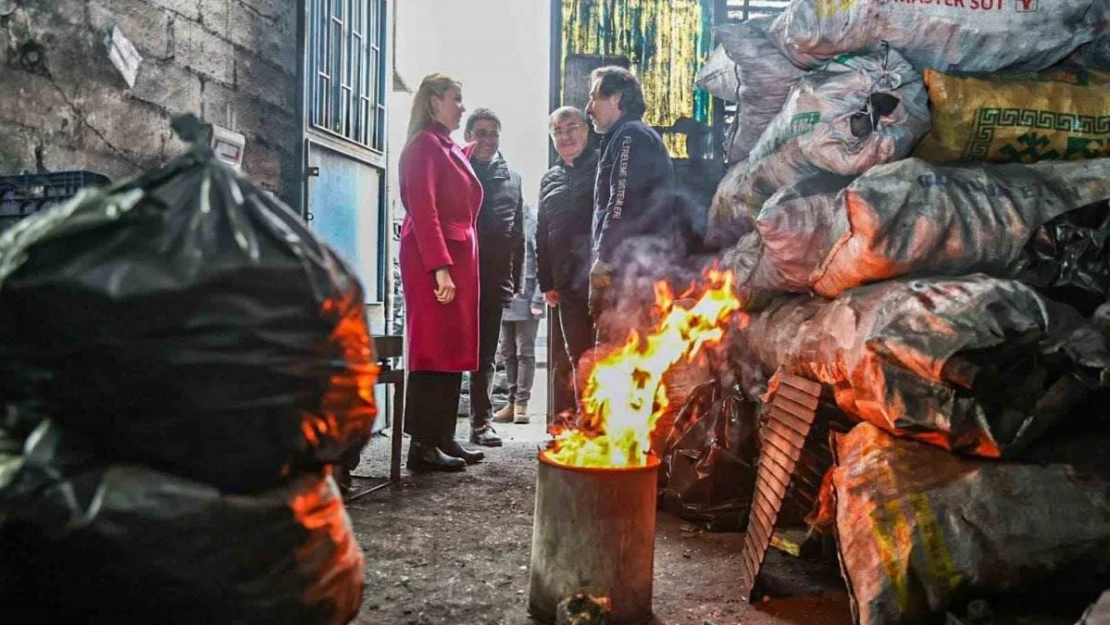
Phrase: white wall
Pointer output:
(499, 50)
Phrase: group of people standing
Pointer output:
(466, 234)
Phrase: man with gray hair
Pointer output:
(634, 193)
(563, 239)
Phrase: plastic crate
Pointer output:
(25, 195)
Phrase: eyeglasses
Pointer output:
(555, 132)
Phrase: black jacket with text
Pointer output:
(635, 189)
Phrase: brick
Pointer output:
(214, 14)
(266, 28)
(265, 80)
(148, 27)
(189, 9)
(31, 100)
(254, 118)
(168, 85)
(17, 150)
(49, 16)
(263, 165)
(134, 128)
(100, 160)
(203, 52)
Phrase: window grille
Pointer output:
(347, 70)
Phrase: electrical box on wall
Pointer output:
(228, 146)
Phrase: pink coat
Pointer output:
(442, 197)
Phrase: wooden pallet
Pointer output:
(794, 403)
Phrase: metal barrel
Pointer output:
(594, 532)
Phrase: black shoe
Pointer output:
(455, 450)
(424, 457)
(485, 436)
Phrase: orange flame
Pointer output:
(625, 394)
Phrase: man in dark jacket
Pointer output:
(634, 194)
(500, 259)
(563, 239)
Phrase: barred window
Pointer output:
(347, 70)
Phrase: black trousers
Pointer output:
(432, 405)
(577, 328)
(481, 381)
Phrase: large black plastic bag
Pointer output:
(910, 218)
(710, 457)
(1069, 258)
(973, 364)
(920, 530)
(186, 321)
(85, 541)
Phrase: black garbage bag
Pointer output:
(710, 457)
(920, 530)
(85, 541)
(187, 321)
(976, 365)
(1069, 258)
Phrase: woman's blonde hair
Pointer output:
(422, 113)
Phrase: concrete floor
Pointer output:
(454, 549)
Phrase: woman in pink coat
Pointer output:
(439, 274)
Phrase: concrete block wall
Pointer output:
(64, 106)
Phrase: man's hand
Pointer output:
(552, 298)
(601, 275)
(601, 278)
(536, 311)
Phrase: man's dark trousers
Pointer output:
(481, 381)
(577, 329)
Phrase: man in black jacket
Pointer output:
(634, 194)
(563, 232)
(500, 260)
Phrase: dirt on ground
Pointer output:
(454, 549)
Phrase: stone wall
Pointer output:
(64, 106)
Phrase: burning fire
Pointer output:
(625, 393)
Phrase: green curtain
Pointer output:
(667, 41)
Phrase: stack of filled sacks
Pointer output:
(181, 361)
(944, 264)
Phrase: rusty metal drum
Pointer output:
(594, 532)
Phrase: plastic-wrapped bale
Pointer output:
(720, 76)
(89, 542)
(1096, 54)
(187, 321)
(1018, 117)
(964, 35)
(920, 530)
(911, 218)
(729, 217)
(855, 112)
(974, 364)
(765, 80)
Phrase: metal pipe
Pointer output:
(594, 532)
